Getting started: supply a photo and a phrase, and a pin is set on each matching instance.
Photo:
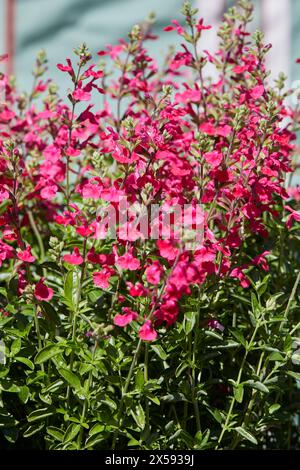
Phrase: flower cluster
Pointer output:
(167, 138)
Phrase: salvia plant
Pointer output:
(118, 328)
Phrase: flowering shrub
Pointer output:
(149, 250)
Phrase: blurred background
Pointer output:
(60, 25)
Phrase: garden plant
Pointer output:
(118, 329)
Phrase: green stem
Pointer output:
(195, 349)
(38, 333)
(146, 378)
(291, 298)
(86, 401)
(76, 314)
(238, 380)
(37, 235)
(251, 403)
(124, 392)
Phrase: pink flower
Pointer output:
(80, 95)
(101, 278)
(126, 318)
(49, 192)
(214, 324)
(71, 152)
(91, 191)
(213, 158)
(42, 292)
(147, 332)
(189, 95)
(26, 256)
(257, 92)
(66, 68)
(153, 273)
(136, 290)
(74, 258)
(200, 26)
(259, 260)
(167, 249)
(128, 261)
(176, 27)
(3, 194)
(238, 273)
(293, 216)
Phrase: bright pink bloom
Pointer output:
(126, 318)
(42, 292)
(167, 249)
(80, 95)
(49, 192)
(147, 332)
(101, 278)
(74, 258)
(200, 26)
(260, 260)
(295, 215)
(257, 92)
(26, 256)
(153, 273)
(128, 261)
(137, 290)
(3, 194)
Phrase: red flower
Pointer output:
(200, 26)
(153, 273)
(167, 249)
(126, 318)
(101, 278)
(147, 332)
(128, 261)
(42, 292)
(257, 92)
(80, 95)
(3, 194)
(74, 258)
(26, 256)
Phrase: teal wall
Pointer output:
(60, 25)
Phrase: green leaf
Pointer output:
(159, 351)
(295, 375)
(25, 361)
(239, 393)
(70, 377)
(15, 347)
(255, 305)
(33, 429)
(139, 380)
(96, 429)
(139, 416)
(216, 414)
(24, 394)
(274, 408)
(41, 413)
(257, 385)
(189, 322)
(276, 356)
(238, 336)
(47, 353)
(71, 432)
(56, 433)
(246, 434)
(92, 440)
(50, 313)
